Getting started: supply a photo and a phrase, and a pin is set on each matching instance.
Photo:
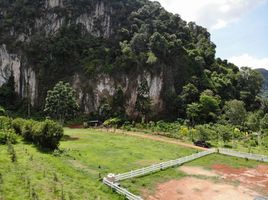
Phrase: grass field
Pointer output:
(85, 157)
(74, 173)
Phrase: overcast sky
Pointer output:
(239, 28)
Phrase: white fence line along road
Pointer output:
(249, 156)
(161, 166)
(121, 190)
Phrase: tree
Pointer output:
(139, 43)
(253, 122)
(8, 95)
(189, 93)
(203, 133)
(225, 132)
(143, 103)
(210, 106)
(264, 123)
(61, 102)
(152, 59)
(105, 110)
(158, 44)
(193, 111)
(250, 83)
(118, 103)
(235, 112)
(258, 124)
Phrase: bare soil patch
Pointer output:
(190, 188)
(199, 171)
(234, 184)
(256, 178)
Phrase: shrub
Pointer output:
(8, 136)
(5, 122)
(225, 132)
(46, 134)
(203, 133)
(113, 122)
(49, 134)
(127, 126)
(2, 111)
(162, 126)
(3, 139)
(27, 130)
(17, 125)
(265, 141)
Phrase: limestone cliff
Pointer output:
(87, 43)
(98, 22)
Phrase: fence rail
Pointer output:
(249, 156)
(121, 190)
(161, 166)
(164, 165)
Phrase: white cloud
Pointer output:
(249, 61)
(213, 14)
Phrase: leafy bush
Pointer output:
(17, 125)
(113, 122)
(204, 133)
(265, 141)
(162, 126)
(48, 134)
(127, 126)
(2, 111)
(8, 136)
(5, 122)
(27, 130)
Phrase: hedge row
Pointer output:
(46, 134)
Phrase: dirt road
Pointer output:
(154, 137)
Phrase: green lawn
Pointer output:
(74, 173)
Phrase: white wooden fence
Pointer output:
(249, 156)
(121, 190)
(147, 170)
(161, 166)
(164, 165)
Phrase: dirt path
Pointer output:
(154, 137)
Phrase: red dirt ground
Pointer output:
(191, 188)
(256, 178)
(233, 184)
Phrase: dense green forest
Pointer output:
(144, 37)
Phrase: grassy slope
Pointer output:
(75, 173)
